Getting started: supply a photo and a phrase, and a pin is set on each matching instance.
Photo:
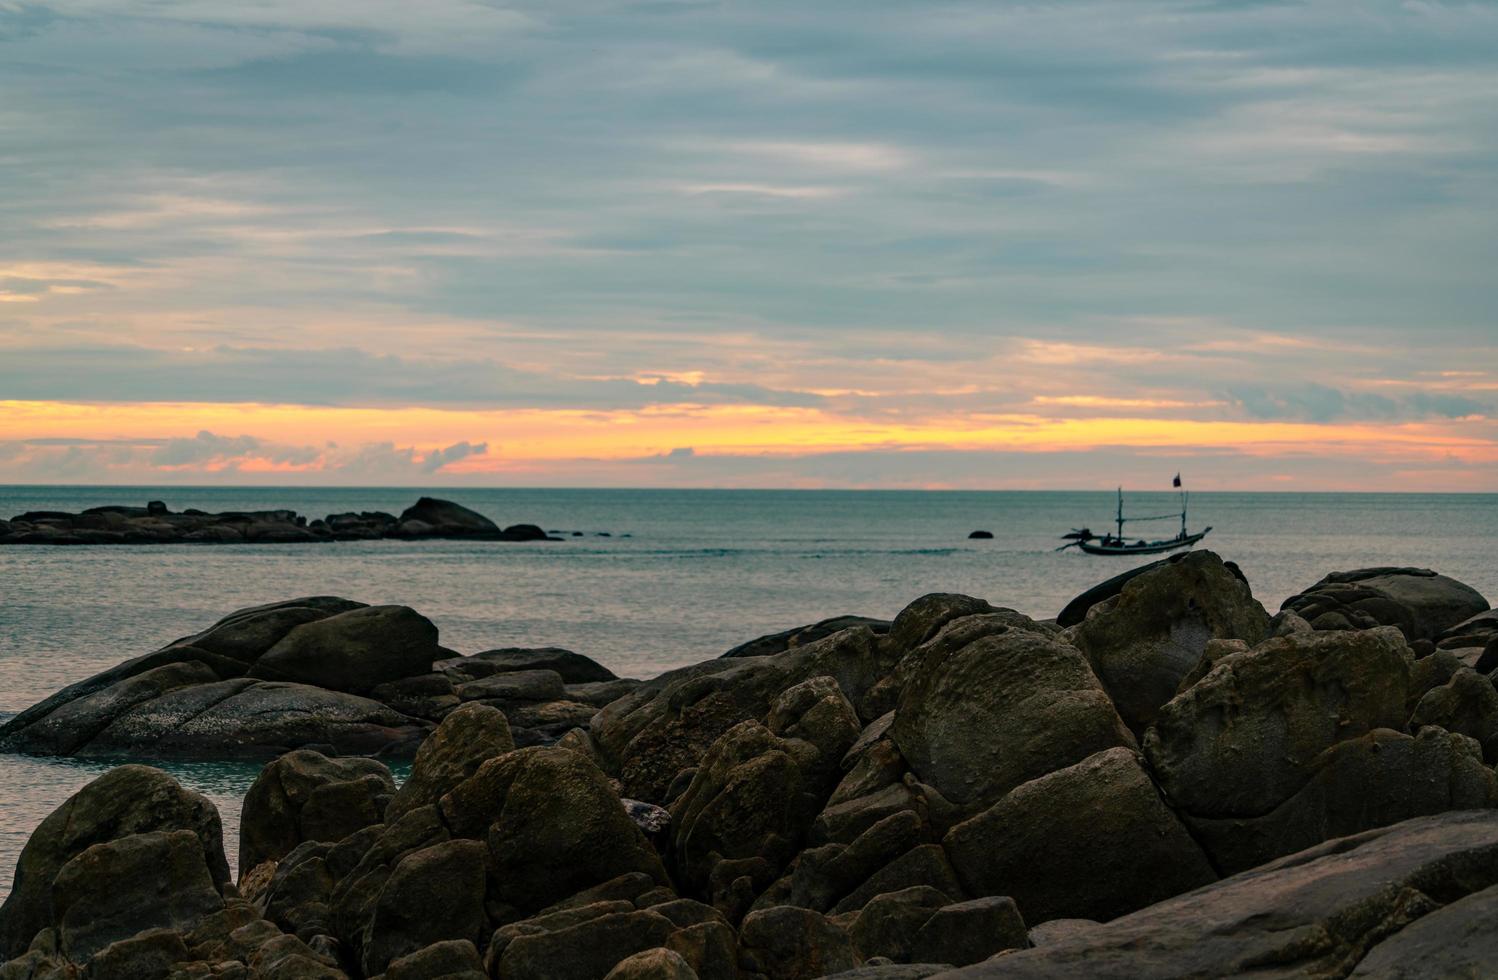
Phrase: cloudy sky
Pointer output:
(667, 243)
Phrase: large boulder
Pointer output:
(573, 668)
(999, 711)
(305, 796)
(1150, 636)
(353, 651)
(115, 889)
(1420, 602)
(787, 943)
(126, 801)
(1246, 736)
(1091, 841)
(551, 822)
(433, 895)
(466, 739)
(433, 518)
(773, 643)
(1375, 780)
(1327, 911)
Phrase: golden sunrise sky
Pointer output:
(1072, 244)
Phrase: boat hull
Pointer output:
(1146, 548)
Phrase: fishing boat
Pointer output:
(1117, 544)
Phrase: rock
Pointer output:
(430, 517)
(980, 535)
(653, 964)
(888, 924)
(1468, 704)
(1058, 931)
(150, 954)
(585, 946)
(1245, 737)
(970, 932)
(434, 894)
(923, 618)
(551, 821)
(1375, 780)
(1417, 600)
(1076, 610)
(773, 643)
(525, 532)
(1000, 711)
(664, 727)
(466, 739)
(1316, 913)
(125, 801)
(118, 888)
(925, 865)
(1143, 642)
(522, 685)
(305, 796)
(428, 696)
(1092, 841)
(353, 651)
(1453, 941)
(787, 943)
(574, 668)
(453, 959)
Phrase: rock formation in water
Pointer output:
(155, 524)
(1177, 784)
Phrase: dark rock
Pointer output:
(430, 517)
(353, 651)
(1000, 711)
(1468, 704)
(147, 956)
(453, 959)
(1417, 600)
(305, 796)
(427, 696)
(653, 964)
(1144, 641)
(574, 668)
(1244, 738)
(787, 943)
(118, 888)
(521, 685)
(1375, 780)
(773, 643)
(1092, 841)
(1076, 610)
(433, 895)
(970, 932)
(1456, 940)
(466, 739)
(888, 924)
(1316, 913)
(524, 532)
(923, 618)
(587, 949)
(552, 822)
(980, 536)
(125, 801)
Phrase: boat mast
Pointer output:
(1120, 514)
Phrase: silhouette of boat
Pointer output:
(1117, 544)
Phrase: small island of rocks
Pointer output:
(1166, 781)
(155, 524)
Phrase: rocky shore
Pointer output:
(155, 524)
(1166, 781)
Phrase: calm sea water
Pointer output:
(683, 576)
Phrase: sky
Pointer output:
(674, 243)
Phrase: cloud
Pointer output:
(1320, 403)
(438, 458)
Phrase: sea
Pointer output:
(644, 580)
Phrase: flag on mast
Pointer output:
(1177, 481)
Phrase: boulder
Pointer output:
(1316, 913)
(773, 643)
(125, 801)
(653, 964)
(888, 924)
(521, 685)
(434, 895)
(353, 651)
(453, 959)
(1375, 780)
(574, 668)
(551, 822)
(1093, 841)
(305, 796)
(1144, 641)
(118, 888)
(1245, 737)
(466, 739)
(1456, 940)
(1000, 711)
(1423, 604)
(787, 943)
(433, 518)
(586, 945)
(1468, 704)
(970, 932)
